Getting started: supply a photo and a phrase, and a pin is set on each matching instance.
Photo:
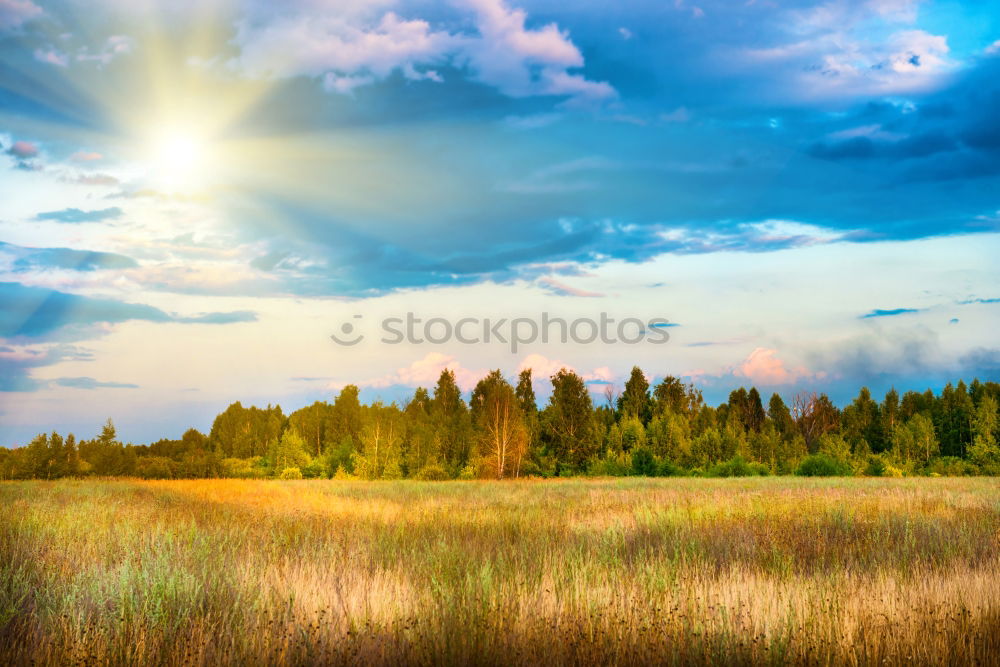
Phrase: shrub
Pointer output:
(432, 472)
(950, 466)
(609, 467)
(643, 463)
(879, 467)
(291, 473)
(342, 474)
(155, 467)
(392, 471)
(822, 465)
(240, 468)
(668, 469)
(736, 467)
(314, 469)
(468, 472)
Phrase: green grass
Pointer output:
(632, 571)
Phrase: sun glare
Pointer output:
(179, 159)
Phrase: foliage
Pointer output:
(736, 467)
(822, 465)
(502, 433)
(432, 472)
(643, 463)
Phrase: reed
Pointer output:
(634, 571)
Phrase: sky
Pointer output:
(196, 195)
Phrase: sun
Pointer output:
(179, 160)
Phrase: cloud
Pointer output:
(25, 259)
(233, 317)
(424, 372)
(678, 115)
(521, 62)
(76, 215)
(15, 13)
(86, 156)
(890, 312)
(113, 47)
(95, 179)
(764, 367)
(91, 383)
(350, 49)
(23, 150)
(543, 368)
(35, 312)
(562, 289)
(971, 301)
(849, 49)
(17, 362)
(52, 57)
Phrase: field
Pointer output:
(635, 571)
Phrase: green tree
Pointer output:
(343, 422)
(420, 442)
(780, 416)
(567, 422)
(984, 451)
(289, 452)
(635, 402)
(452, 421)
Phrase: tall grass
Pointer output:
(685, 571)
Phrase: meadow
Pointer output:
(627, 571)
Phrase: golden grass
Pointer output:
(687, 571)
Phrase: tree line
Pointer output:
(501, 432)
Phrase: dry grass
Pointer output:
(765, 570)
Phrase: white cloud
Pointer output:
(678, 115)
(113, 47)
(15, 13)
(354, 46)
(52, 57)
(764, 367)
(859, 49)
(992, 48)
(424, 372)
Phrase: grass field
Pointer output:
(635, 571)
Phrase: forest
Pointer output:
(501, 432)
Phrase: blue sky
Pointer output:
(194, 195)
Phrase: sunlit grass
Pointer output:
(627, 571)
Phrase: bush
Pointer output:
(822, 465)
(342, 474)
(155, 467)
(736, 467)
(241, 468)
(432, 472)
(879, 467)
(314, 469)
(610, 466)
(291, 473)
(668, 469)
(950, 466)
(643, 463)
